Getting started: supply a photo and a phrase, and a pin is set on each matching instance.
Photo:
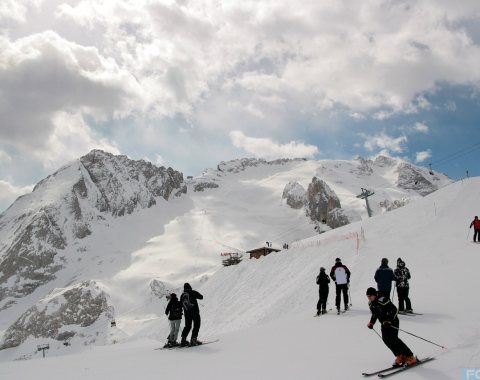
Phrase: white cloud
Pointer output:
(70, 139)
(223, 66)
(159, 160)
(266, 148)
(16, 10)
(364, 56)
(422, 156)
(421, 127)
(383, 141)
(43, 75)
(9, 192)
(4, 157)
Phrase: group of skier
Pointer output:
(340, 274)
(188, 305)
(379, 302)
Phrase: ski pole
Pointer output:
(416, 336)
(468, 233)
(349, 295)
(378, 334)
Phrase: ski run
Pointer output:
(261, 310)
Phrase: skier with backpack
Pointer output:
(341, 275)
(476, 227)
(174, 312)
(402, 275)
(322, 281)
(189, 302)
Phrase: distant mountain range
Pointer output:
(63, 245)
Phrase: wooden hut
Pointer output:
(262, 251)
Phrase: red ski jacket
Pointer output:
(475, 224)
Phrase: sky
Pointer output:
(188, 84)
(262, 310)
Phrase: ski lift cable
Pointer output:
(453, 158)
(460, 153)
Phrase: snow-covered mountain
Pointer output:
(105, 237)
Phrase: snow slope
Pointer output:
(262, 309)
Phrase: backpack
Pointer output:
(176, 311)
(186, 303)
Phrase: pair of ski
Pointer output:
(387, 372)
(338, 313)
(410, 314)
(180, 347)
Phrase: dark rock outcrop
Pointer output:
(60, 315)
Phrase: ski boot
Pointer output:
(399, 361)
(195, 342)
(184, 343)
(410, 360)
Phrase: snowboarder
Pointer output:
(402, 275)
(384, 277)
(386, 312)
(192, 314)
(322, 281)
(174, 312)
(341, 275)
(476, 227)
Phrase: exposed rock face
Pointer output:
(412, 178)
(160, 289)
(62, 208)
(321, 201)
(201, 186)
(121, 185)
(383, 161)
(60, 315)
(364, 167)
(295, 194)
(397, 203)
(337, 218)
(30, 259)
(237, 166)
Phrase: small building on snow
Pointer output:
(262, 251)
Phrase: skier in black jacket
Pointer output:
(322, 281)
(402, 275)
(384, 277)
(192, 314)
(174, 312)
(386, 312)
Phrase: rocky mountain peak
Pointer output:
(63, 207)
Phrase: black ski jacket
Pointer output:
(384, 277)
(383, 309)
(323, 280)
(174, 309)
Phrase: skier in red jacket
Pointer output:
(476, 227)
